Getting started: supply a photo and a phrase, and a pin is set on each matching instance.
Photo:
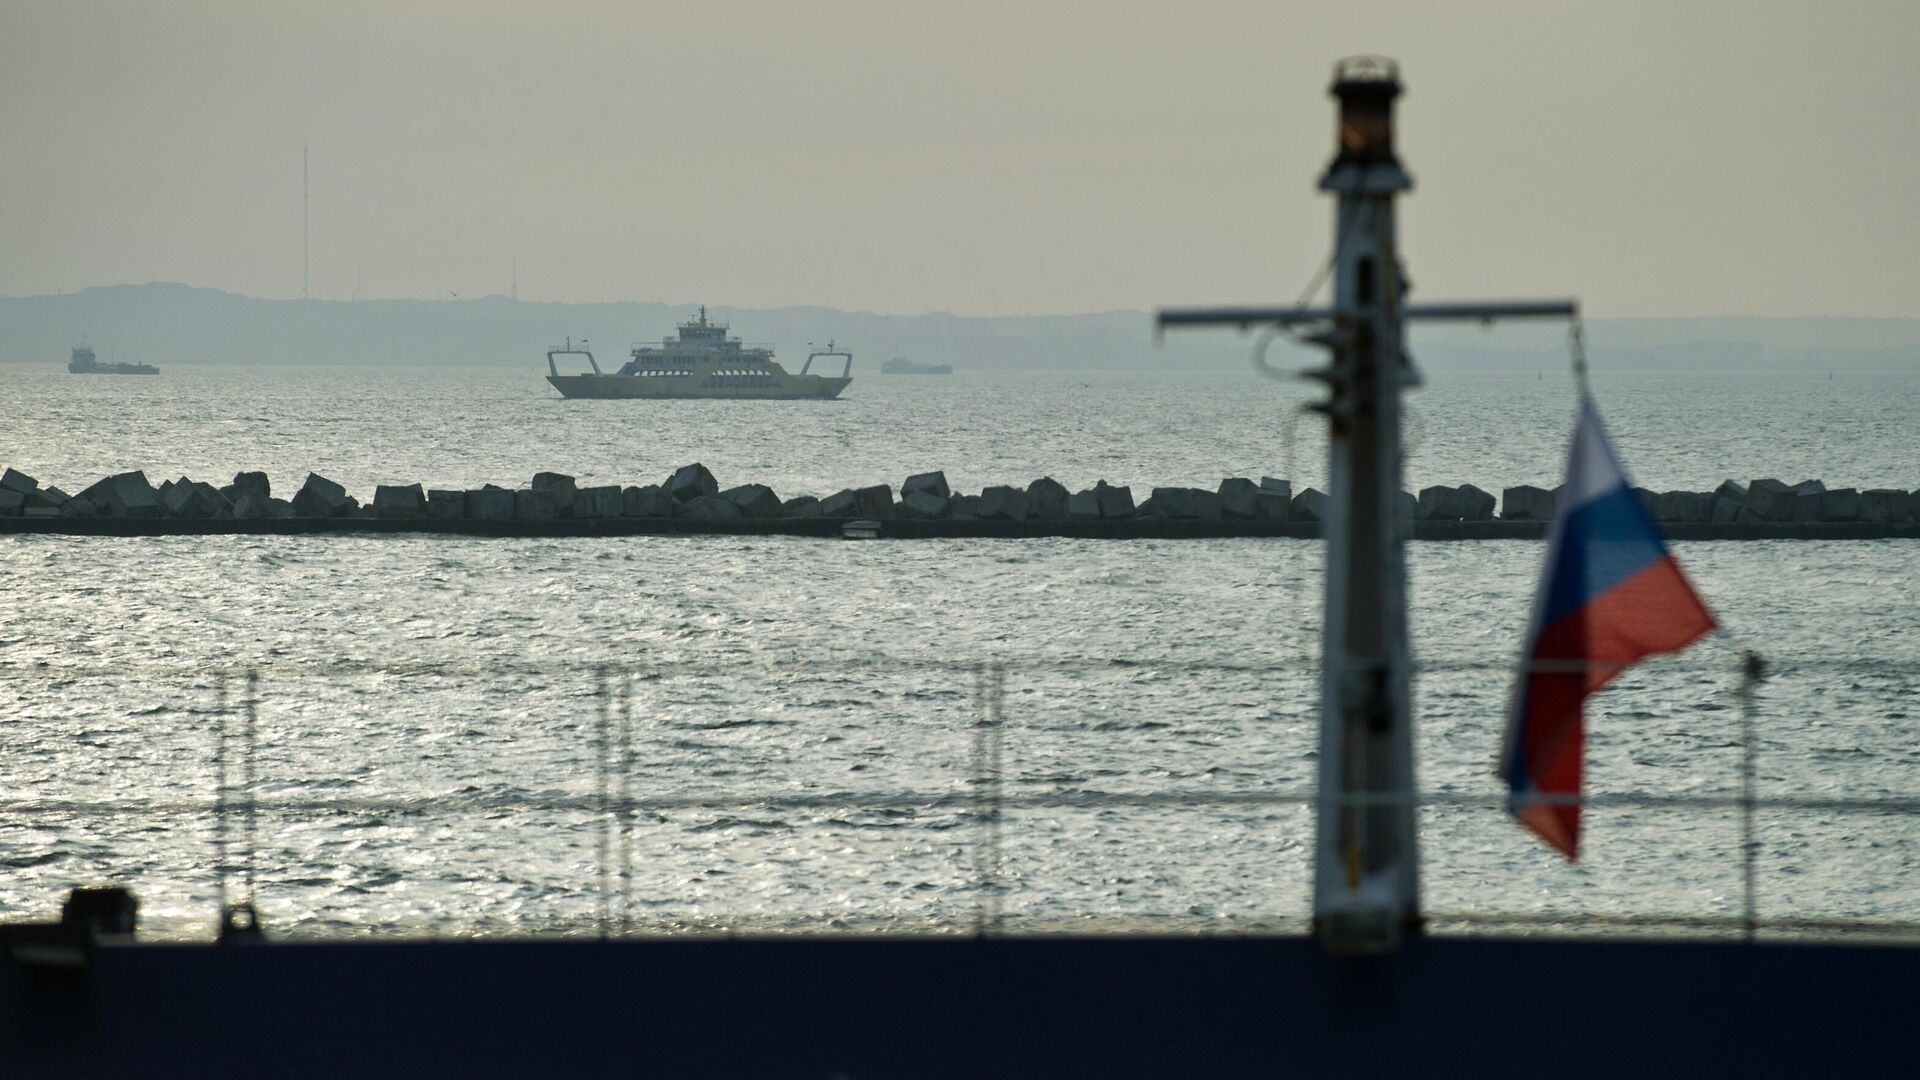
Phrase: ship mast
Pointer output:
(1366, 891)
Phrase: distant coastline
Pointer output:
(172, 323)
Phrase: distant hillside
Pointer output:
(167, 323)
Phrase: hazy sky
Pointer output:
(1653, 158)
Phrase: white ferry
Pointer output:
(702, 363)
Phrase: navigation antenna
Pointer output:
(1366, 890)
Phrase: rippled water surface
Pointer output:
(807, 722)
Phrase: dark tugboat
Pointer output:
(83, 363)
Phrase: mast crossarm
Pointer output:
(1247, 318)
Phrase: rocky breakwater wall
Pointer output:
(691, 500)
(1757, 509)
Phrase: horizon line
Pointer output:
(454, 298)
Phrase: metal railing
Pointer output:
(1001, 810)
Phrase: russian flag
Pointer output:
(1611, 595)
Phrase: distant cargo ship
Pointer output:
(900, 365)
(83, 363)
(702, 363)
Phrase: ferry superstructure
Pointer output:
(702, 362)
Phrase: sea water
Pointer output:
(814, 734)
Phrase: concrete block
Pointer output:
(1840, 504)
(1047, 499)
(47, 511)
(651, 501)
(1526, 503)
(130, 495)
(1237, 495)
(710, 510)
(601, 501)
(77, 507)
(531, 505)
(490, 504)
(934, 483)
(1771, 499)
(1724, 511)
(1182, 504)
(1270, 505)
(1646, 498)
(279, 508)
(844, 503)
(1439, 503)
(399, 501)
(1277, 486)
(1808, 505)
(251, 506)
(1475, 504)
(1309, 505)
(558, 487)
(1726, 502)
(963, 506)
(866, 502)
(800, 506)
(12, 501)
(756, 501)
(1408, 506)
(923, 505)
(255, 482)
(50, 493)
(1083, 506)
(18, 482)
(1161, 503)
(1809, 486)
(689, 482)
(98, 491)
(1003, 503)
(321, 497)
(1692, 506)
(184, 499)
(1885, 505)
(876, 501)
(222, 506)
(445, 504)
(1115, 502)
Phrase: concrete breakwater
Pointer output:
(691, 500)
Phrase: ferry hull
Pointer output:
(811, 387)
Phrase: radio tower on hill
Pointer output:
(306, 232)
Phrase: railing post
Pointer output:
(241, 918)
(623, 808)
(1752, 670)
(988, 758)
(221, 706)
(603, 748)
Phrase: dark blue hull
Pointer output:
(940, 1007)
